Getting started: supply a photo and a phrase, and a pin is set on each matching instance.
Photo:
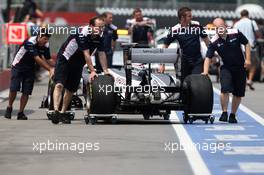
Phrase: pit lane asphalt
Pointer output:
(132, 146)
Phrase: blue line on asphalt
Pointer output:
(244, 143)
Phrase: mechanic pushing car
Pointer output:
(73, 55)
(227, 42)
(33, 50)
(188, 34)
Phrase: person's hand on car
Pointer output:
(205, 73)
(92, 76)
(106, 72)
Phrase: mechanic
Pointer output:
(74, 53)
(250, 29)
(227, 43)
(33, 50)
(188, 34)
(140, 28)
(110, 37)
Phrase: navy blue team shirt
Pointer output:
(189, 40)
(24, 59)
(229, 49)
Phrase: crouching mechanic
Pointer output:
(34, 49)
(73, 55)
(227, 42)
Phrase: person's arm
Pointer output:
(162, 66)
(256, 30)
(207, 62)
(103, 61)
(169, 39)
(43, 63)
(243, 40)
(209, 55)
(248, 52)
(83, 44)
(50, 61)
(129, 26)
(89, 64)
(113, 44)
(88, 60)
(115, 37)
(47, 57)
(102, 56)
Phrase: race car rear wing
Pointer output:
(132, 53)
(154, 55)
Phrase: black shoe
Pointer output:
(223, 117)
(232, 118)
(55, 118)
(250, 85)
(8, 112)
(65, 118)
(21, 116)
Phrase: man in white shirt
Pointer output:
(250, 29)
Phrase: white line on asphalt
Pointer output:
(248, 167)
(195, 160)
(238, 137)
(245, 150)
(251, 167)
(246, 110)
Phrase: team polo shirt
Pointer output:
(189, 40)
(229, 49)
(75, 44)
(24, 59)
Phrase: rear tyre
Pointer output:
(103, 97)
(198, 94)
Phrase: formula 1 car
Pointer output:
(135, 89)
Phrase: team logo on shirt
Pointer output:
(234, 39)
(219, 44)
